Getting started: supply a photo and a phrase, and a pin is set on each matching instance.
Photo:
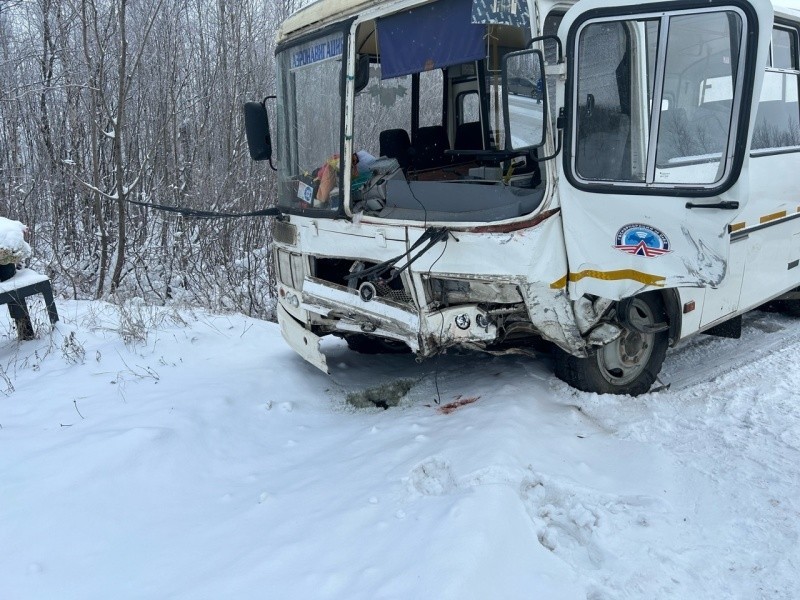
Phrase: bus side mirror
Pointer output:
(256, 125)
(524, 99)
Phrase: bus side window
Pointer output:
(777, 125)
(604, 102)
(430, 98)
(784, 49)
(468, 122)
(468, 107)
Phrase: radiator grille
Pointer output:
(385, 291)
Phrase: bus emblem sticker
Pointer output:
(642, 240)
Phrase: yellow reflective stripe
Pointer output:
(559, 283)
(765, 219)
(645, 278)
(738, 226)
(773, 216)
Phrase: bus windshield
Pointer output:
(310, 123)
(429, 121)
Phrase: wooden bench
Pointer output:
(13, 292)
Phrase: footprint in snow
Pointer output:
(567, 523)
(433, 478)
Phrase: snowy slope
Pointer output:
(208, 461)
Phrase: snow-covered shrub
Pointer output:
(13, 247)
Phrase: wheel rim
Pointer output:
(624, 359)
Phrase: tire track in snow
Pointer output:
(704, 358)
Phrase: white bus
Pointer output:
(609, 177)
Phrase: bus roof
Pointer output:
(324, 12)
(321, 13)
(787, 10)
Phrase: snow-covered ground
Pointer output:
(209, 461)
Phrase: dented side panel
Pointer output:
(687, 248)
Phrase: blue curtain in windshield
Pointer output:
(429, 37)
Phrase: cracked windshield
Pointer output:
(309, 123)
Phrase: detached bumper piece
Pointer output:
(301, 340)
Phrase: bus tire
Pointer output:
(365, 344)
(628, 365)
(788, 307)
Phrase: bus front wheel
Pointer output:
(629, 364)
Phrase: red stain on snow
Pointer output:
(456, 404)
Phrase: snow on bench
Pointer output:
(13, 292)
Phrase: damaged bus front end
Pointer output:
(426, 292)
(468, 173)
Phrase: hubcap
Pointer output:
(624, 359)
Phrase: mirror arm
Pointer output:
(557, 151)
(542, 38)
(560, 123)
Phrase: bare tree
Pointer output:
(106, 101)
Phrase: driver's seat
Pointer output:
(395, 143)
(430, 144)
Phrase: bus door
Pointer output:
(658, 104)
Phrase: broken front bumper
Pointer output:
(339, 309)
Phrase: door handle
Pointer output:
(589, 104)
(724, 205)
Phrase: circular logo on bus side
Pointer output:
(642, 240)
